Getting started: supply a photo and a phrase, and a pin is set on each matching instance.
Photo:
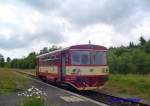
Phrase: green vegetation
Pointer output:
(46, 49)
(2, 61)
(11, 81)
(129, 85)
(33, 101)
(130, 59)
(25, 62)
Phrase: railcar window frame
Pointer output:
(73, 59)
(81, 60)
(49, 59)
(102, 60)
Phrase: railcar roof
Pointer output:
(88, 46)
(51, 52)
(84, 46)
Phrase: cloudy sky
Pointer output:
(29, 25)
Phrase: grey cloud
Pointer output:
(19, 39)
(44, 5)
(45, 30)
(122, 14)
(15, 42)
(11, 43)
(145, 4)
(52, 36)
(107, 12)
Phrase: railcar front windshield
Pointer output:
(88, 58)
(99, 58)
(80, 57)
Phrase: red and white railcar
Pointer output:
(81, 66)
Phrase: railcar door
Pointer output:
(63, 67)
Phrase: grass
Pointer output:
(28, 71)
(130, 85)
(33, 101)
(11, 81)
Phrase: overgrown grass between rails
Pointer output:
(131, 85)
(11, 81)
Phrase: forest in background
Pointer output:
(134, 58)
(130, 59)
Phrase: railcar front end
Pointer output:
(88, 69)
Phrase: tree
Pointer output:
(8, 62)
(14, 63)
(2, 61)
(54, 48)
(147, 47)
(44, 50)
(142, 41)
(8, 59)
(131, 45)
(31, 60)
(130, 59)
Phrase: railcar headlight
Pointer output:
(107, 69)
(74, 70)
(79, 70)
(91, 70)
(103, 70)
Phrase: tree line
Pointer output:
(134, 58)
(27, 62)
(23, 63)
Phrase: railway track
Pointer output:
(98, 96)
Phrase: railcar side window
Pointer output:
(75, 57)
(99, 58)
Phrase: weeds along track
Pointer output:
(98, 96)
